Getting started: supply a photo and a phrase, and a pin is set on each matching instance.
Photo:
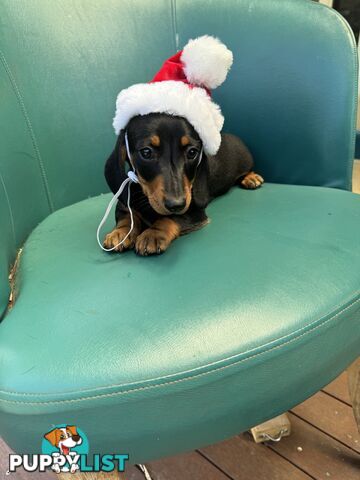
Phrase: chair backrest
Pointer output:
(291, 94)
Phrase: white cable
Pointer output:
(131, 178)
(145, 471)
(200, 157)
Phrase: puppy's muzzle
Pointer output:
(175, 205)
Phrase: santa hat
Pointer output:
(182, 87)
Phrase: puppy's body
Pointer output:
(232, 162)
(174, 188)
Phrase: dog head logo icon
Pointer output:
(65, 443)
(64, 438)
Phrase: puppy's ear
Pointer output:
(52, 437)
(200, 190)
(115, 165)
(72, 429)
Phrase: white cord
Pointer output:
(131, 178)
(145, 471)
(200, 157)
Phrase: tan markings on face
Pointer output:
(123, 154)
(187, 190)
(184, 140)
(155, 141)
(154, 191)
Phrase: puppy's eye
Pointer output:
(192, 153)
(146, 153)
(62, 436)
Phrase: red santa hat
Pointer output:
(182, 87)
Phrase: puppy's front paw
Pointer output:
(56, 468)
(114, 238)
(252, 180)
(74, 467)
(152, 242)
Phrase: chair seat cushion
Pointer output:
(234, 324)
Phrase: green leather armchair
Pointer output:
(237, 322)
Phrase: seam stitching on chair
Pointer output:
(10, 209)
(202, 374)
(30, 128)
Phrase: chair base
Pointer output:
(273, 430)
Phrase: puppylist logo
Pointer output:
(65, 448)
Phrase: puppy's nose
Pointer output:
(76, 438)
(175, 204)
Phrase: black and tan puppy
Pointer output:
(174, 188)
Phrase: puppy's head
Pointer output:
(165, 152)
(64, 437)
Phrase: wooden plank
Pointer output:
(331, 416)
(91, 476)
(317, 454)
(188, 466)
(354, 387)
(133, 473)
(339, 388)
(242, 459)
(20, 473)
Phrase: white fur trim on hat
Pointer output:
(206, 61)
(174, 98)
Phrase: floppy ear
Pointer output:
(200, 190)
(51, 437)
(72, 429)
(115, 164)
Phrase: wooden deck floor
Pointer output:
(324, 445)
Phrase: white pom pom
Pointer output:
(206, 61)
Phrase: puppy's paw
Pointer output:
(56, 468)
(152, 242)
(252, 180)
(114, 238)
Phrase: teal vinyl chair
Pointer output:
(235, 323)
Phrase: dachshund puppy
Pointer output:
(174, 189)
